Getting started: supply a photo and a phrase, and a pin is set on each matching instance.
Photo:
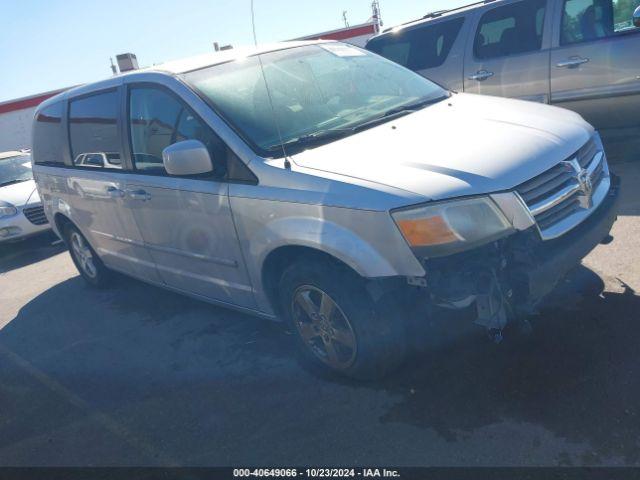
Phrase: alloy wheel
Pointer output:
(83, 255)
(324, 327)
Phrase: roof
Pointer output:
(185, 65)
(174, 67)
(435, 15)
(189, 64)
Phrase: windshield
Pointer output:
(315, 89)
(15, 170)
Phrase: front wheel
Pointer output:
(85, 259)
(337, 324)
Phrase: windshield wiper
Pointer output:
(11, 182)
(397, 112)
(312, 139)
(325, 136)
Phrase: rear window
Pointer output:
(93, 131)
(510, 30)
(588, 20)
(48, 136)
(419, 48)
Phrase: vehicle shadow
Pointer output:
(574, 375)
(137, 352)
(32, 250)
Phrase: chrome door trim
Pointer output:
(119, 239)
(197, 256)
(595, 93)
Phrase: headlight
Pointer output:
(448, 227)
(7, 210)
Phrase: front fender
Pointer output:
(325, 236)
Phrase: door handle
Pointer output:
(139, 195)
(573, 62)
(481, 75)
(115, 192)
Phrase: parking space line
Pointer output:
(107, 422)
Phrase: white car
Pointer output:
(21, 212)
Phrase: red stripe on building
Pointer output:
(28, 102)
(344, 34)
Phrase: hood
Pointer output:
(20, 194)
(466, 145)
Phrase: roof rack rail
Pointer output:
(439, 13)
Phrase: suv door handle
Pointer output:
(115, 192)
(139, 195)
(573, 62)
(481, 75)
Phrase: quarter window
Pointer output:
(419, 48)
(510, 30)
(587, 20)
(158, 119)
(48, 137)
(93, 131)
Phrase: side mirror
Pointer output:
(189, 157)
(636, 17)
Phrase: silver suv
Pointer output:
(325, 185)
(577, 54)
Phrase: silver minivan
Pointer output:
(577, 54)
(322, 184)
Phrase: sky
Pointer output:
(51, 44)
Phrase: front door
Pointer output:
(507, 54)
(96, 186)
(186, 223)
(594, 64)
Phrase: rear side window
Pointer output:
(419, 48)
(587, 20)
(93, 131)
(48, 138)
(158, 119)
(510, 30)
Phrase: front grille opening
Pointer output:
(550, 186)
(35, 215)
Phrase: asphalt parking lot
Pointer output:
(135, 375)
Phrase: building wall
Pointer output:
(15, 129)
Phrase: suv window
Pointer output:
(510, 29)
(48, 136)
(158, 119)
(93, 131)
(586, 20)
(426, 46)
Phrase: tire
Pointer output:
(85, 258)
(337, 324)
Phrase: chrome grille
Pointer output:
(561, 197)
(35, 215)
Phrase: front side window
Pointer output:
(48, 137)
(419, 48)
(93, 131)
(587, 20)
(510, 30)
(316, 94)
(158, 119)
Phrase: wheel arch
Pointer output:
(279, 259)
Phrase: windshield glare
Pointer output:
(15, 169)
(313, 89)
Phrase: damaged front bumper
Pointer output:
(506, 279)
